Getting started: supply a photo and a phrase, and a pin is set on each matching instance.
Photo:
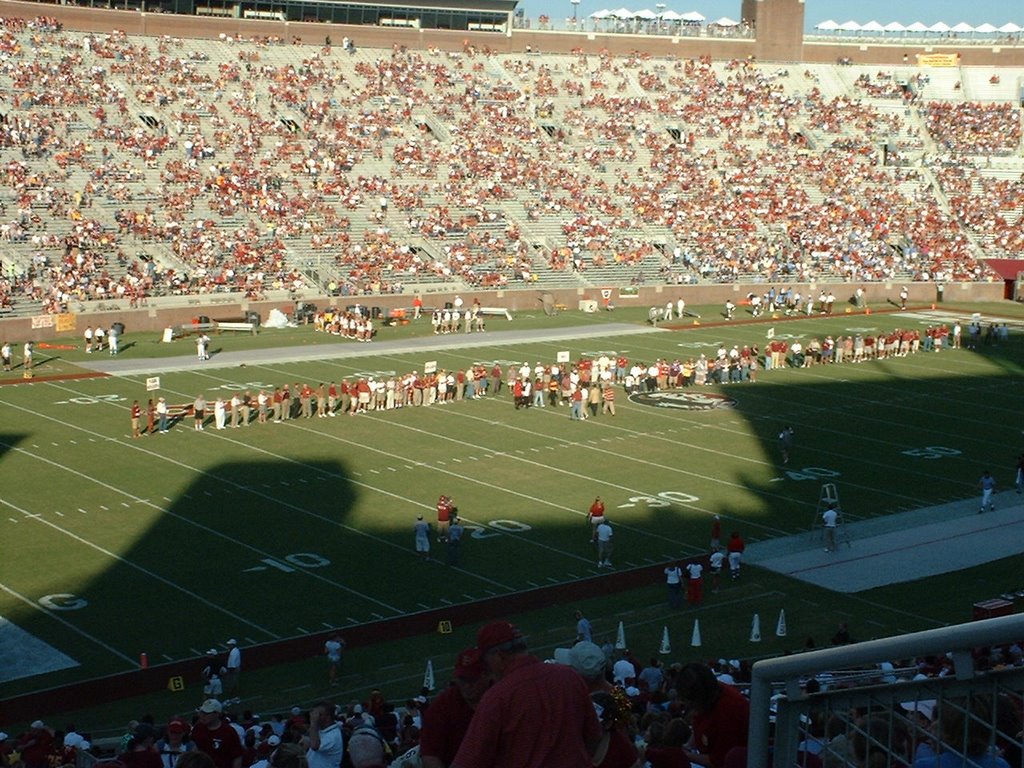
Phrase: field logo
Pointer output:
(686, 401)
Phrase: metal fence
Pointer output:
(891, 716)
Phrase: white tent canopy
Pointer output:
(646, 14)
(873, 26)
(962, 27)
(622, 13)
(828, 26)
(604, 13)
(850, 26)
(895, 26)
(692, 16)
(1010, 27)
(725, 21)
(986, 28)
(939, 26)
(671, 16)
(917, 26)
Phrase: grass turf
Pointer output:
(177, 542)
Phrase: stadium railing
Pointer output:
(778, 697)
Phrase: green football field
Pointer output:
(171, 544)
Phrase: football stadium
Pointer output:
(358, 357)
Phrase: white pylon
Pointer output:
(755, 630)
(780, 628)
(695, 640)
(666, 646)
(620, 638)
(428, 676)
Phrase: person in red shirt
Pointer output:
(214, 736)
(35, 745)
(721, 714)
(447, 719)
(615, 749)
(445, 509)
(596, 516)
(506, 732)
(141, 751)
(136, 415)
(735, 549)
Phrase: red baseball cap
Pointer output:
(496, 633)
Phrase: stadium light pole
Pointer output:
(575, 6)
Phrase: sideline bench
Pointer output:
(496, 311)
(233, 326)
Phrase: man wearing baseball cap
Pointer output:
(506, 730)
(215, 736)
(447, 719)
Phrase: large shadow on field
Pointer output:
(261, 551)
(254, 551)
(898, 438)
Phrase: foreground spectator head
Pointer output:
(585, 657)
(366, 749)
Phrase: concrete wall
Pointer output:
(156, 318)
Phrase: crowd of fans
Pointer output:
(231, 161)
(649, 712)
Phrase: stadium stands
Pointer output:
(149, 167)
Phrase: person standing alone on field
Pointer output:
(422, 532)
(584, 632)
(987, 485)
(830, 519)
(333, 648)
(786, 443)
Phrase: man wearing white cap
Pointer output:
(233, 667)
(215, 736)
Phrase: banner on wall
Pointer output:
(66, 322)
(938, 59)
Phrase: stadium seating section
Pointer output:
(145, 167)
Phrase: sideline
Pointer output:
(901, 547)
(122, 366)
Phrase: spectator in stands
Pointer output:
(967, 736)
(35, 745)
(505, 730)
(447, 719)
(721, 715)
(879, 741)
(214, 736)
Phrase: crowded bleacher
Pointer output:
(142, 167)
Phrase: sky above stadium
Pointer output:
(976, 12)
